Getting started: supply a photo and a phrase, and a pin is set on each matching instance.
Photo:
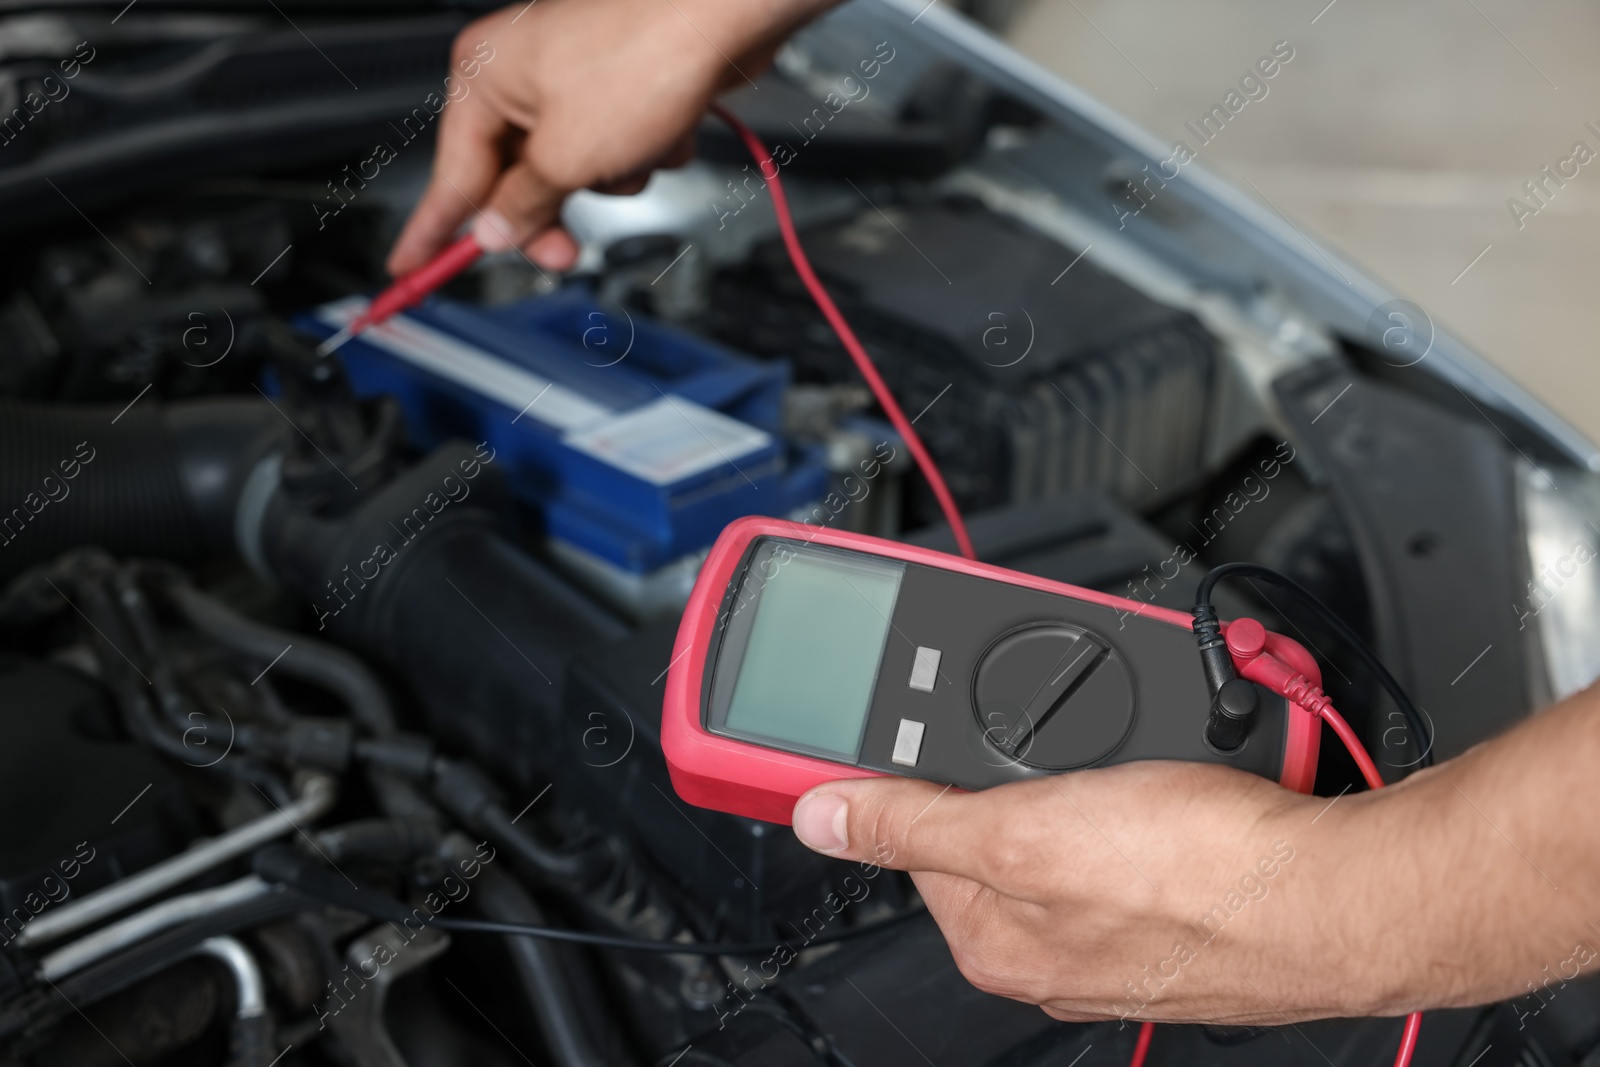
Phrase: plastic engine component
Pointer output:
(1037, 381)
(638, 443)
(62, 744)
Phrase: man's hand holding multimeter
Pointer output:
(850, 684)
(1095, 894)
(917, 711)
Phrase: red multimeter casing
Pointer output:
(1141, 694)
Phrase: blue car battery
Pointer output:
(636, 441)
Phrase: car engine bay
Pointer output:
(406, 610)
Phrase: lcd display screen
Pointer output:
(803, 659)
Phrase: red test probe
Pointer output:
(410, 290)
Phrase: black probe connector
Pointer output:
(1234, 700)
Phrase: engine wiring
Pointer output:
(847, 336)
(284, 867)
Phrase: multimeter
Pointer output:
(807, 655)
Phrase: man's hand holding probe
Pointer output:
(582, 94)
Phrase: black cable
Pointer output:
(1413, 717)
(282, 865)
(670, 948)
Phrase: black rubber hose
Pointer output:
(393, 841)
(480, 630)
(318, 662)
(569, 870)
(538, 964)
(306, 658)
(467, 794)
(112, 603)
(138, 481)
(106, 627)
(135, 607)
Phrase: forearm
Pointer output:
(1474, 881)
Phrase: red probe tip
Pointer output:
(409, 290)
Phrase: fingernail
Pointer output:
(820, 822)
(493, 231)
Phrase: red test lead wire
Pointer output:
(1247, 646)
(409, 290)
(1142, 1048)
(1267, 670)
(847, 336)
(1289, 684)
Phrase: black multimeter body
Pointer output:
(808, 654)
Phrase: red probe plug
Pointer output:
(1247, 644)
(410, 290)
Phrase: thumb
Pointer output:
(901, 823)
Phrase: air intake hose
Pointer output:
(421, 575)
(147, 480)
(414, 570)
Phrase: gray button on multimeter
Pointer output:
(925, 669)
(908, 743)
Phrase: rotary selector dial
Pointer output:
(1053, 696)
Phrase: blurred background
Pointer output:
(1396, 135)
